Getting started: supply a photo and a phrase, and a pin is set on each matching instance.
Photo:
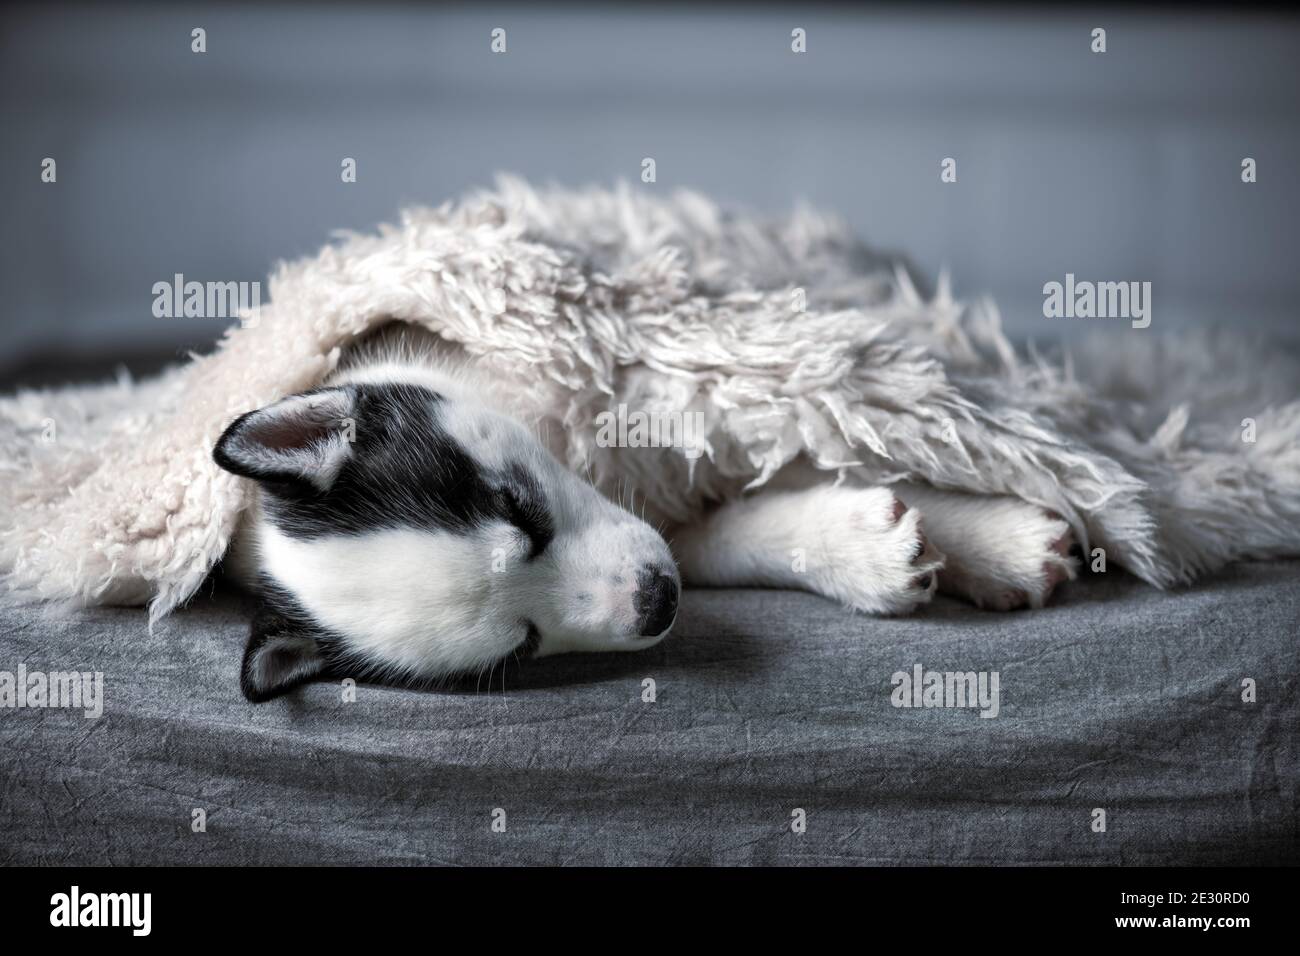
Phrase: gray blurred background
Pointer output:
(1123, 165)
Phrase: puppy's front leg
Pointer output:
(860, 546)
(1002, 553)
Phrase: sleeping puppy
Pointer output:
(408, 527)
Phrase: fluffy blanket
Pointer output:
(1173, 454)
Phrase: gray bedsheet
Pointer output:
(1117, 697)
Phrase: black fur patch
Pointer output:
(405, 470)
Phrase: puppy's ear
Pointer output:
(302, 438)
(280, 655)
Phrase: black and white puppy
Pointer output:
(404, 529)
(408, 527)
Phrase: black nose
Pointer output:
(656, 601)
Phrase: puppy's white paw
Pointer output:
(874, 555)
(1015, 557)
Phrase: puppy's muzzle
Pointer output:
(656, 601)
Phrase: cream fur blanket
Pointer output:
(791, 337)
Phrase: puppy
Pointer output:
(407, 526)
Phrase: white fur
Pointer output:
(420, 602)
(998, 551)
(841, 542)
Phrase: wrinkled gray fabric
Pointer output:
(1116, 697)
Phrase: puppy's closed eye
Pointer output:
(526, 510)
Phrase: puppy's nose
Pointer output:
(656, 601)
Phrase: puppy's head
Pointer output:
(409, 533)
